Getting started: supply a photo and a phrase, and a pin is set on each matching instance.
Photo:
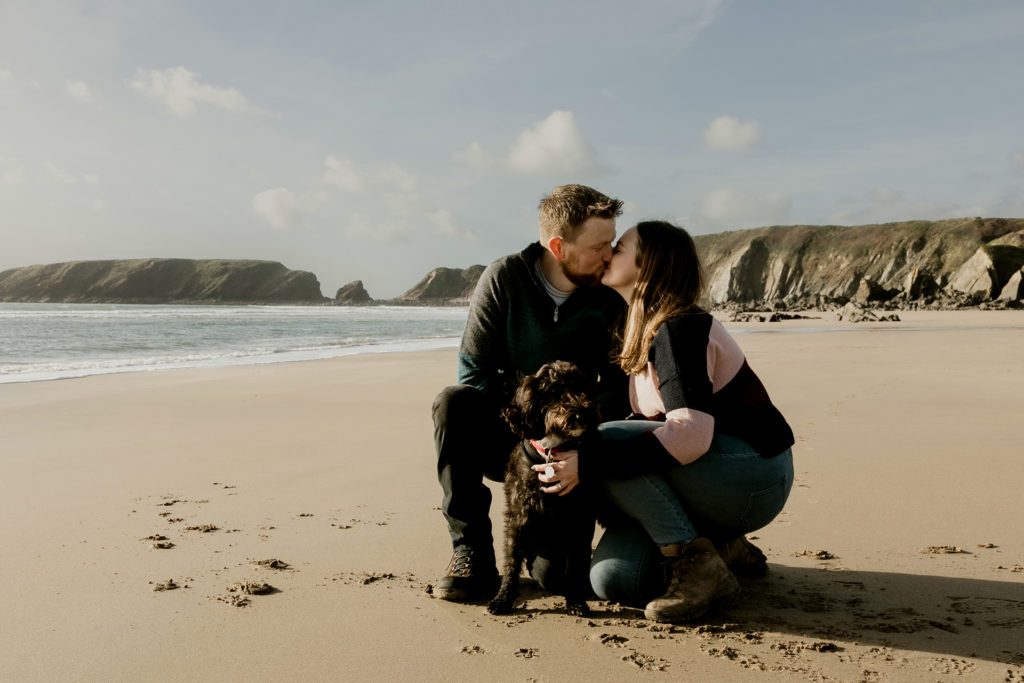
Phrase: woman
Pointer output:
(711, 461)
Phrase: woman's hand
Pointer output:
(565, 475)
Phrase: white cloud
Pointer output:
(733, 209)
(344, 175)
(445, 223)
(728, 133)
(390, 216)
(279, 207)
(474, 156)
(81, 91)
(552, 147)
(180, 89)
(377, 228)
(382, 203)
(394, 177)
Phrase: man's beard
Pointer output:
(580, 279)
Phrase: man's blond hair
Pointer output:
(563, 212)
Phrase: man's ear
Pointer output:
(555, 245)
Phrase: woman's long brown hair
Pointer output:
(670, 282)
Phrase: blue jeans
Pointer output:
(729, 491)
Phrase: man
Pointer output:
(540, 305)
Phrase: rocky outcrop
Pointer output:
(894, 263)
(983, 276)
(353, 294)
(854, 313)
(743, 274)
(1011, 239)
(1014, 288)
(870, 291)
(159, 281)
(444, 286)
(919, 284)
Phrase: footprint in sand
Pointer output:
(159, 541)
(252, 588)
(951, 666)
(611, 639)
(816, 554)
(646, 662)
(944, 550)
(235, 600)
(272, 563)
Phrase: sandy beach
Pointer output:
(899, 556)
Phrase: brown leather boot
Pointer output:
(699, 577)
(471, 576)
(743, 558)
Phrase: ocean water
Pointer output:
(55, 341)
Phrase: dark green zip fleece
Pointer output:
(514, 327)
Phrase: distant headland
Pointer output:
(940, 264)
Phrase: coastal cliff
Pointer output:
(962, 260)
(944, 264)
(444, 286)
(941, 264)
(160, 281)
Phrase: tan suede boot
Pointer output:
(699, 577)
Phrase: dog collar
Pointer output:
(546, 452)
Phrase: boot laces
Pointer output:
(462, 562)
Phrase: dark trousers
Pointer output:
(472, 442)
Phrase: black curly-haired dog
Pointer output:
(552, 411)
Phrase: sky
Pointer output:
(376, 141)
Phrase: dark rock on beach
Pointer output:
(352, 294)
